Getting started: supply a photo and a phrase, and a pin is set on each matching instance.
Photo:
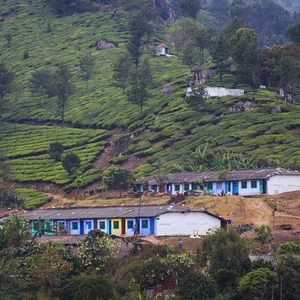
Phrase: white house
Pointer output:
(157, 220)
(162, 49)
(236, 182)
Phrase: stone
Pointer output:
(276, 110)
(168, 90)
(103, 44)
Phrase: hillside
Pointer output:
(166, 133)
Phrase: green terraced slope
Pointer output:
(168, 131)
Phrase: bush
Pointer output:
(55, 151)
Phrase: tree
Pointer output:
(140, 81)
(55, 151)
(43, 82)
(224, 249)
(246, 53)
(191, 55)
(87, 287)
(6, 81)
(263, 234)
(257, 284)
(63, 88)
(87, 67)
(97, 251)
(121, 70)
(117, 178)
(190, 8)
(195, 100)
(221, 10)
(197, 286)
(221, 53)
(71, 163)
(293, 33)
(10, 199)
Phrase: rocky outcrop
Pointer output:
(168, 90)
(242, 106)
(276, 110)
(201, 75)
(103, 44)
(166, 12)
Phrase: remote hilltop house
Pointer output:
(159, 220)
(238, 182)
(162, 49)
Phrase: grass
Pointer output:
(33, 198)
(174, 130)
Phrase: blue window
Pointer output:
(177, 187)
(102, 225)
(129, 224)
(209, 186)
(244, 184)
(116, 225)
(89, 225)
(253, 184)
(186, 186)
(74, 225)
(145, 224)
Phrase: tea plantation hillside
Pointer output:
(167, 131)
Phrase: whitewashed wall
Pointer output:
(283, 183)
(185, 223)
(217, 92)
(249, 191)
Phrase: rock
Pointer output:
(166, 12)
(242, 106)
(168, 90)
(103, 44)
(201, 75)
(276, 110)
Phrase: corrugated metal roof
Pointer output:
(213, 176)
(108, 212)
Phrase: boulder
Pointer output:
(276, 110)
(242, 106)
(168, 90)
(103, 44)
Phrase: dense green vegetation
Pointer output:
(33, 198)
(168, 131)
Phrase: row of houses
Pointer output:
(237, 182)
(158, 220)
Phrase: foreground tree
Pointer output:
(263, 234)
(6, 81)
(258, 284)
(121, 70)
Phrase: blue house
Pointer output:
(236, 182)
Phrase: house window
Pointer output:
(145, 224)
(116, 224)
(177, 187)
(253, 184)
(209, 186)
(219, 185)
(35, 225)
(138, 187)
(74, 225)
(88, 225)
(102, 225)
(129, 224)
(48, 227)
(244, 184)
(186, 186)
(61, 225)
(195, 186)
(154, 188)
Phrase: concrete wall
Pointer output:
(185, 223)
(249, 191)
(218, 92)
(283, 183)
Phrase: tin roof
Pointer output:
(143, 211)
(213, 176)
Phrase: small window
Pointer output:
(244, 184)
(35, 225)
(196, 186)
(186, 186)
(219, 185)
(177, 187)
(145, 224)
(89, 225)
(74, 225)
(209, 186)
(61, 226)
(129, 224)
(102, 225)
(116, 224)
(48, 226)
(253, 184)
(154, 188)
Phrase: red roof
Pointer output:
(162, 45)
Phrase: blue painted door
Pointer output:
(81, 227)
(152, 229)
(109, 226)
(235, 188)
